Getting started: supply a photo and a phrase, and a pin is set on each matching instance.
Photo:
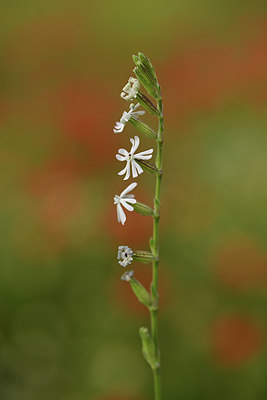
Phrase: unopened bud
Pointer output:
(145, 80)
(148, 348)
(147, 63)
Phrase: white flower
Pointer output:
(131, 157)
(123, 200)
(126, 116)
(131, 89)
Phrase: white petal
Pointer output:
(126, 205)
(138, 167)
(134, 172)
(138, 113)
(134, 107)
(116, 199)
(120, 158)
(138, 157)
(125, 117)
(123, 171)
(135, 143)
(118, 127)
(121, 214)
(128, 189)
(144, 153)
(123, 152)
(128, 171)
(132, 201)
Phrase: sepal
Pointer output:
(148, 167)
(146, 103)
(143, 208)
(143, 128)
(143, 256)
(141, 293)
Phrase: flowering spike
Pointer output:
(135, 164)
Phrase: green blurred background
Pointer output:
(68, 325)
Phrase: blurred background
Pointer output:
(68, 325)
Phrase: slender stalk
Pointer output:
(155, 250)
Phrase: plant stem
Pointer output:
(155, 277)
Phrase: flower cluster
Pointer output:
(131, 158)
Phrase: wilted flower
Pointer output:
(125, 255)
(131, 157)
(127, 276)
(131, 89)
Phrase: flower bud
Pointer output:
(142, 127)
(146, 103)
(143, 256)
(147, 63)
(146, 81)
(137, 61)
(148, 348)
(143, 63)
(143, 208)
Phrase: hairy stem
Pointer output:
(155, 277)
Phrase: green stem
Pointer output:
(155, 250)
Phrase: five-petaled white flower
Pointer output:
(131, 157)
(123, 200)
(126, 116)
(131, 89)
